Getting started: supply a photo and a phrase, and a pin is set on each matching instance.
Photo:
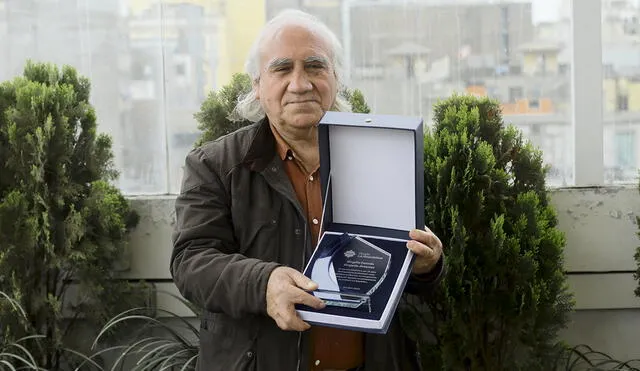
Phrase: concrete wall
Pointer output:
(600, 228)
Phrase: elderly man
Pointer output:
(248, 217)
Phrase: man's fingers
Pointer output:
(304, 298)
(293, 323)
(422, 236)
(288, 320)
(420, 248)
(426, 237)
(285, 288)
(296, 323)
(303, 281)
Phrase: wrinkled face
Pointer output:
(297, 82)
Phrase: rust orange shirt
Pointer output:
(331, 348)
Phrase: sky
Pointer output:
(545, 10)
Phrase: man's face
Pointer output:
(297, 82)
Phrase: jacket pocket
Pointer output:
(259, 233)
(226, 344)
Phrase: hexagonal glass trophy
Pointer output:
(349, 270)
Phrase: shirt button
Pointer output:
(311, 178)
(250, 354)
(289, 158)
(317, 362)
(274, 169)
(315, 221)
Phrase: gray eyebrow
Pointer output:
(279, 62)
(316, 59)
(285, 62)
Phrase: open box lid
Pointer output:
(372, 173)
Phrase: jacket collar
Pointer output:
(262, 147)
(262, 153)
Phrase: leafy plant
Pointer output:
(505, 296)
(214, 115)
(356, 98)
(157, 342)
(63, 225)
(214, 118)
(13, 353)
(583, 357)
(21, 354)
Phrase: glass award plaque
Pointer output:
(372, 177)
(348, 270)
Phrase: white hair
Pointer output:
(248, 106)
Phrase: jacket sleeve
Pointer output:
(205, 264)
(424, 285)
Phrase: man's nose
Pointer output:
(299, 82)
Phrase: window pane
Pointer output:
(621, 89)
(144, 145)
(96, 38)
(205, 42)
(188, 37)
(405, 56)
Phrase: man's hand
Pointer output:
(285, 288)
(428, 249)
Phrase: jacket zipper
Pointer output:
(304, 258)
(304, 255)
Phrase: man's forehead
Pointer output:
(295, 42)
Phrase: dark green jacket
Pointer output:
(238, 218)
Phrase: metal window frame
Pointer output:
(587, 92)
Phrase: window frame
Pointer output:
(587, 92)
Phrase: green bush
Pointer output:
(504, 297)
(63, 223)
(213, 117)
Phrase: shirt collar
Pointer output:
(282, 147)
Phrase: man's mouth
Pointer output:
(302, 101)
